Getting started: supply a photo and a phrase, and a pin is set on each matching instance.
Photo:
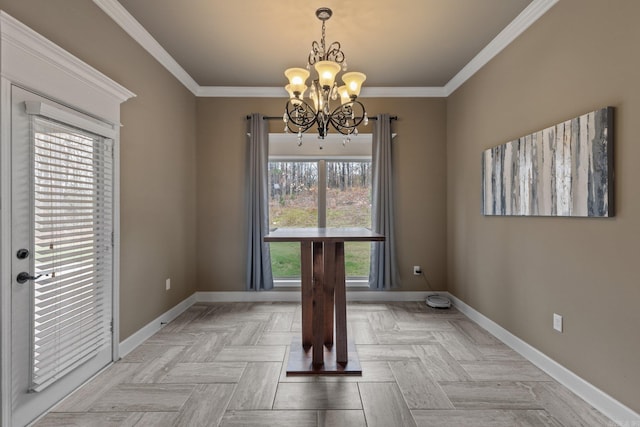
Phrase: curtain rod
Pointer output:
(280, 118)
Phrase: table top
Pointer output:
(346, 234)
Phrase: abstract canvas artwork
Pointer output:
(564, 170)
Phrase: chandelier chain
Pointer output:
(322, 40)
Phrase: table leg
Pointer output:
(306, 267)
(318, 303)
(341, 305)
(329, 286)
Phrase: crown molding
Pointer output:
(403, 92)
(241, 92)
(18, 39)
(528, 16)
(132, 27)
(279, 92)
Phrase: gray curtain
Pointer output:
(259, 276)
(384, 269)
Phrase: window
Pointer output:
(317, 187)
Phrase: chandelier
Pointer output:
(300, 114)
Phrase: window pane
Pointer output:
(285, 260)
(349, 205)
(293, 202)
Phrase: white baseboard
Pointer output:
(294, 296)
(600, 400)
(154, 326)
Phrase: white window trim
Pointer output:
(356, 282)
(71, 117)
(31, 61)
(285, 145)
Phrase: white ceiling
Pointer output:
(397, 43)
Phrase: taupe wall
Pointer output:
(157, 155)
(419, 161)
(579, 56)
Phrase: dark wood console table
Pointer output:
(323, 289)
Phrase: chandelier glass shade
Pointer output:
(328, 61)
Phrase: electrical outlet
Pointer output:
(417, 270)
(557, 322)
(168, 284)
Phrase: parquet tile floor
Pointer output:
(224, 364)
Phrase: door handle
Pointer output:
(24, 276)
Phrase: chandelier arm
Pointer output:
(314, 55)
(300, 115)
(334, 53)
(345, 120)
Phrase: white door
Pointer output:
(62, 251)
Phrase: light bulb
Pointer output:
(297, 80)
(327, 71)
(344, 95)
(353, 81)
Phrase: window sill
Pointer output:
(295, 283)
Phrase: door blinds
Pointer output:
(72, 194)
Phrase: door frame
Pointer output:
(36, 64)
